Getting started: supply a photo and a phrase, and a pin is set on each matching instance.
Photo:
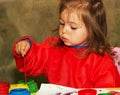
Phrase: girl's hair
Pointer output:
(94, 17)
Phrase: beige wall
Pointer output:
(38, 18)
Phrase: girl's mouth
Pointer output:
(64, 39)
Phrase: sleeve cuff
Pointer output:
(27, 40)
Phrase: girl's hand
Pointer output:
(22, 47)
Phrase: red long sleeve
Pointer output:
(63, 66)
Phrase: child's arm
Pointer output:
(105, 74)
(30, 56)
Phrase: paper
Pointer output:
(52, 89)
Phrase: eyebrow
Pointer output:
(69, 22)
(73, 23)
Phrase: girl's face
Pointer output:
(72, 30)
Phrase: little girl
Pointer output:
(80, 56)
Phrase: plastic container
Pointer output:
(114, 92)
(23, 81)
(87, 92)
(19, 91)
(15, 86)
(32, 85)
(4, 88)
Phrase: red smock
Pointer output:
(64, 66)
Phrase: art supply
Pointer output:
(25, 75)
(87, 92)
(114, 92)
(4, 88)
(15, 86)
(19, 91)
(33, 87)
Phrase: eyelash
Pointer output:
(61, 23)
(73, 28)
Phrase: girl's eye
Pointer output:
(61, 23)
(73, 28)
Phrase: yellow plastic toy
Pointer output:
(14, 86)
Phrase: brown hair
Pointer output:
(94, 17)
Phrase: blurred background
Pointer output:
(37, 18)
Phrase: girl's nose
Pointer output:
(64, 30)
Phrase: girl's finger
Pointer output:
(17, 48)
(23, 50)
(25, 47)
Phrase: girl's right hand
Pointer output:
(22, 47)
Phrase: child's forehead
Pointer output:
(70, 15)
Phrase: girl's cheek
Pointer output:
(60, 31)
